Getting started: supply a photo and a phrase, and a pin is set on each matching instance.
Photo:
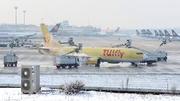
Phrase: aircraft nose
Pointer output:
(145, 56)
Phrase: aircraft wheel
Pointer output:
(58, 67)
(98, 63)
(15, 64)
(134, 64)
(63, 66)
(165, 58)
(149, 63)
(69, 66)
(159, 59)
(75, 66)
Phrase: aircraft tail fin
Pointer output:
(117, 30)
(55, 28)
(161, 33)
(47, 37)
(107, 30)
(174, 33)
(156, 33)
(137, 32)
(166, 33)
(149, 32)
(143, 31)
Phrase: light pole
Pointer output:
(16, 7)
(24, 16)
(24, 11)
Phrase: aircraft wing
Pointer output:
(24, 36)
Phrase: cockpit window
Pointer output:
(139, 53)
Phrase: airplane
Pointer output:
(156, 33)
(54, 30)
(149, 33)
(161, 35)
(117, 30)
(118, 34)
(94, 55)
(102, 33)
(175, 36)
(167, 33)
(114, 32)
(138, 33)
(20, 36)
(145, 33)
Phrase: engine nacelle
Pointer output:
(92, 61)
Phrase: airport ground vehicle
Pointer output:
(66, 60)
(10, 59)
(3, 45)
(153, 56)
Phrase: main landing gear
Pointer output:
(134, 64)
(98, 63)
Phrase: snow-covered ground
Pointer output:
(14, 94)
(135, 80)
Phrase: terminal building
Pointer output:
(65, 29)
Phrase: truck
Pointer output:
(155, 57)
(66, 60)
(10, 60)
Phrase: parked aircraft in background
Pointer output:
(119, 34)
(149, 33)
(167, 34)
(114, 32)
(103, 33)
(160, 35)
(175, 36)
(54, 30)
(94, 55)
(145, 33)
(23, 36)
(155, 35)
(138, 33)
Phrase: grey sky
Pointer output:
(99, 13)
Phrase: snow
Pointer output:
(14, 94)
(135, 80)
